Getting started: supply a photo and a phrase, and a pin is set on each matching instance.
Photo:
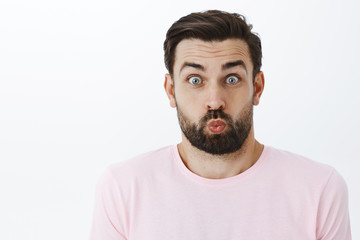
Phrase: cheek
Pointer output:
(190, 105)
(238, 101)
(187, 97)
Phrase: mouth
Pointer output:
(216, 126)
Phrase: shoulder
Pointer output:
(301, 169)
(315, 183)
(142, 166)
(316, 180)
(292, 161)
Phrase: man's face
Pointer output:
(214, 93)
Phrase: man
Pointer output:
(219, 182)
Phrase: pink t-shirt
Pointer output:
(282, 196)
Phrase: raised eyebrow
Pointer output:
(193, 65)
(234, 64)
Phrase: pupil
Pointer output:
(232, 80)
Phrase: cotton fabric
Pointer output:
(282, 196)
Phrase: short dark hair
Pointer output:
(212, 25)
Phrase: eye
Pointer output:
(194, 80)
(232, 79)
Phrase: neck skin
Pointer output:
(220, 166)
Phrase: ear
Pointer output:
(169, 89)
(259, 83)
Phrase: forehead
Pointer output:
(195, 50)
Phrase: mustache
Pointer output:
(215, 114)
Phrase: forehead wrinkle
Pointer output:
(195, 50)
(198, 51)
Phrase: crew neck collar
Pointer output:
(209, 181)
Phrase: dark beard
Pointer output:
(229, 141)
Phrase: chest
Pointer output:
(236, 212)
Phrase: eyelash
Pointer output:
(233, 75)
(227, 76)
(191, 76)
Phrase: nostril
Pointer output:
(221, 107)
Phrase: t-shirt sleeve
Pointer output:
(108, 213)
(333, 221)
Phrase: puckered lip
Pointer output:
(216, 123)
(216, 126)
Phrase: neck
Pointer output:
(220, 166)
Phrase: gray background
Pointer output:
(81, 87)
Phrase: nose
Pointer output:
(215, 98)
